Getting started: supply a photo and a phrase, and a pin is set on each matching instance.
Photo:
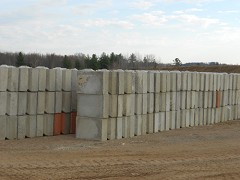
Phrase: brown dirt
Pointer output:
(207, 152)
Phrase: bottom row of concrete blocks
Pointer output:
(125, 127)
(20, 127)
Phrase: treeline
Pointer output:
(80, 61)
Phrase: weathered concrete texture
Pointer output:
(225, 81)
(3, 77)
(157, 81)
(196, 117)
(173, 100)
(138, 125)
(32, 103)
(93, 82)
(120, 105)
(31, 126)
(12, 103)
(205, 116)
(42, 78)
(167, 101)
(163, 81)
(150, 82)
(178, 100)
(157, 102)
(183, 100)
(23, 78)
(73, 101)
(215, 81)
(238, 82)
(41, 102)
(66, 121)
(156, 122)
(48, 124)
(189, 81)
(113, 82)
(150, 118)
(113, 106)
(58, 102)
(66, 79)
(144, 103)
(49, 102)
(127, 104)
(178, 119)
(3, 104)
(201, 116)
(197, 81)
(119, 130)
(93, 105)
(183, 119)
(211, 81)
(162, 121)
(51, 78)
(167, 121)
(183, 81)
(150, 100)
(125, 127)
(193, 98)
(194, 81)
(13, 77)
(188, 99)
(187, 117)
(120, 81)
(22, 103)
(111, 128)
(3, 127)
(192, 117)
(173, 81)
(144, 124)
(11, 127)
(172, 123)
(33, 79)
(206, 81)
(74, 73)
(21, 127)
(58, 78)
(131, 125)
(202, 81)
(91, 128)
(139, 86)
(205, 101)
(66, 102)
(129, 82)
(138, 104)
(39, 125)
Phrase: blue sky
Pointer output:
(192, 30)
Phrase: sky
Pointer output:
(191, 30)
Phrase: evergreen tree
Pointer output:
(77, 64)
(67, 63)
(104, 61)
(20, 59)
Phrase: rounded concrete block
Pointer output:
(66, 79)
(33, 79)
(58, 78)
(42, 78)
(13, 77)
(23, 78)
(51, 80)
(3, 77)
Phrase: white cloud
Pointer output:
(142, 4)
(154, 18)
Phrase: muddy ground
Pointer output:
(207, 152)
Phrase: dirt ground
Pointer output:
(207, 152)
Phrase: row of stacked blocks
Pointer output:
(120, 104)
(37, 101)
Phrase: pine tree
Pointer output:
(67, 63)
(20, 59)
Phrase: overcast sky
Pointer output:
(192, 30)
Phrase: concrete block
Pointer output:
(210, 99)
(3, 104)
(132, 105)
(41, 102)
(162, 121)
(157, 82)
(178, 119)
(196, 117)
(66, 102)
(197, 99)
(129, 82)
(12, 103)
(73, 101)
(13, 78)
(206, 81)
(120, 81)
(205, 101)
(150, 82)
(11, 127)
(193, 98)
(3, 126)
(221, 81)
(33, 79)
(201, 116)
(138, 125)
(113, 106)
(120, 105)
(144, 124)
(215, 81)
(234, 97)
(206, 117)
(22, 103)
(150, 118)
(66, 121)
(192, 117)
(21, 127)
(225, 98)
(198, 83)
(217, 115)
(111, 128)
(238, 112)
(131, 125)
(127, 103)
(238, 82)
(194, 81)
(58, 78)
(3, 77)
(187, 117)
(179, 80)
(139, 86)
(150, 100)
(138, 104)
(50, 81)
(125, 128)
(113, 82)
(91, 128)
(67, 77)
(188, 99)
(173, 101)
(214, 99)
(39, 128)
(74, 73)
(202, 81)
(230, 86)
(211, 81)
(183, 96)
(167, 120)
(42, 78)
(201, 99)
(184, 81)
(156, 102)
(119, 129)
(95, 106)
(167, 101)
(156, 122)
(32, 103)
(189, 81)
(31, 126)
(145, 103)
(226, 79)
(48, 124)
(93, 82)
(49, 102)
(58, 102)
(238, 96)
(212, 115)
(23, 78)
(172, 123)
(164, 81)
(145, 81)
